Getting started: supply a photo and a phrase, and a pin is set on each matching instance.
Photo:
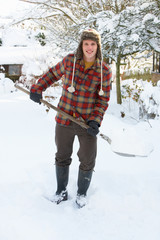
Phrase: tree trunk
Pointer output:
(118, 85)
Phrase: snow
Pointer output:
(21, 55)
(124, 196)
(147, 17)
(6, 85)
(10, 8)
(10, 40)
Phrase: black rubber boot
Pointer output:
(62, 175)
(84, 179)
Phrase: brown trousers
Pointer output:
(64, 139)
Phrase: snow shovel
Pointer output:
(124, 153)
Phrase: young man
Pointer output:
(86, 92)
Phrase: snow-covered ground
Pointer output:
(124, 197)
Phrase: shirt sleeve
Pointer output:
(53, 75)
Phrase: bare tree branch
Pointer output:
(70, 16)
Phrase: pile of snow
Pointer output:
(6, 85)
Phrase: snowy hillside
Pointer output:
(124, 197)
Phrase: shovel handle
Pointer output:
(82, 124)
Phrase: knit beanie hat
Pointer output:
(89, 34)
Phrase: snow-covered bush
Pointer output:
(41, 38)
(149, 103)
(145, 95)
(37, 63)
(132, 89)
(31, 71)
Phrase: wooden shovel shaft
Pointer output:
(82, 124)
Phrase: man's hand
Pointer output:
(93, 129)
(36, 97)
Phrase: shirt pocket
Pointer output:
(89, 86)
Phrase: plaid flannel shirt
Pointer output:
(85, 102)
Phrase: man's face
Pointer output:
(89, 48)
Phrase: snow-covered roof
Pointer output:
(18, 55)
